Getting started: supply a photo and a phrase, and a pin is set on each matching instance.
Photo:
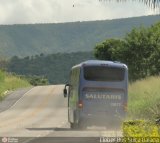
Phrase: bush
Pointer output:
(140, 128)
(37, 80)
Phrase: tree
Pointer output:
(140, 50)
(143, 51)
(154, 33)
(137, 52)
(109, 50)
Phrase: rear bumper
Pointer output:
(101, 119)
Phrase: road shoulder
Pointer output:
(12, 98)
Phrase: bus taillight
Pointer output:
(80, 104)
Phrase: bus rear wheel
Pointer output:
(78, 125)
(74, 125)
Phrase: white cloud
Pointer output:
(43, 11)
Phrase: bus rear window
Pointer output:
(103, 73)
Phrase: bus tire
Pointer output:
(78, 126)
(81, 125)
(74, 126)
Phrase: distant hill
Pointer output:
(32, 39)
(54, 67)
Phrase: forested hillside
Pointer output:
(32, 39)
(54, 67)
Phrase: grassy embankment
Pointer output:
(9, 82)
(143, 109)
(144, 97)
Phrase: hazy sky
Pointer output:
(51, 11)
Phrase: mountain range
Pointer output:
(31, 39)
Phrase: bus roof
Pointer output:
(101, 62)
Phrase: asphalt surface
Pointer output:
(40, 116)
(12, 98)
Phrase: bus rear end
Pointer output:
(103, 93)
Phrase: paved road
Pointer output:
(12, 98)
(42, 112)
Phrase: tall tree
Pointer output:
(111, 49)
(140, 50)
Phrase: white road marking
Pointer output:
(20, 99)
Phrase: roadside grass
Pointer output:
(142, 129)
(10, 82)
(143, 110)
(144, 99)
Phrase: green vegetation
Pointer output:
(140, 128)
(143, 109)
(54, 67)
(140, 50)
(9, 82)
(144, 99)
(111, 49)
(36, 80)
(2, 76)
(28, 40)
